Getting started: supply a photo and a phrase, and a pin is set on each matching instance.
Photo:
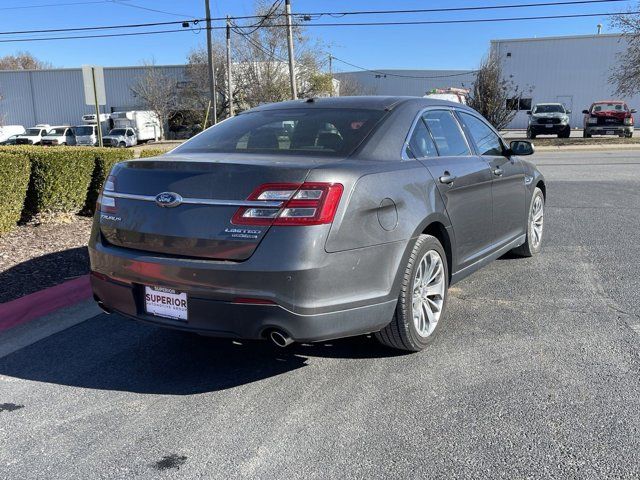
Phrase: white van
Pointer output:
(87, 134)
(7, 131)
(59, 135)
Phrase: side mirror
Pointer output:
(586, 112)
(568, 112)
(633, 110)
(528, 112)
(521, 147)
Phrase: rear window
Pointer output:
(327, 131)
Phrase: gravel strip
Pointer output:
(41, 255)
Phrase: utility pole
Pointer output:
(331, 74)
(229, 79)
(292, 64)
(95, 98)
(212, 68)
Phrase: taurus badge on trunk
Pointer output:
(168, 199)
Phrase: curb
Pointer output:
(43, 302)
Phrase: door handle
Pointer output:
(498, 172)
(447, 178)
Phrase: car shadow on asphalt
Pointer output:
(109, 352)
(42, 272)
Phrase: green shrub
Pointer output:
(14, 180)
(105, 159)
(152, 152)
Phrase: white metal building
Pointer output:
(573, 70)
(56, 96)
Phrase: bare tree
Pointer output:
(350, 87)
(626, 78)
(22, 61)
(158, 92)
(492, 95)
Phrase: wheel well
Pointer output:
(438, 230)
(542, 187)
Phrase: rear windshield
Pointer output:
(327, 131)
(549, 109)
(609, 107)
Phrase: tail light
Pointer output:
(107, 203)
(306, 204)
(628, 120)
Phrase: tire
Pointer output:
(630, 135)
(585, 134)
(530, 134)
(122, 145)
(533, 243)
(565, 134)
(405, 333)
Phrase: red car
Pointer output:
(609, 117)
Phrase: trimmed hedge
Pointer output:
(14, 180)
(66, 179)
(152, 152)
(105, 159)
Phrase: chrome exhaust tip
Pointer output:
(280, 339)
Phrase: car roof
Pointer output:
(549, 103)
(610, 101)
(372, 102)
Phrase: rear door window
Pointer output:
(421, 144)
(446, 133)
(486, 140)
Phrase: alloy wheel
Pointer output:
(428, 293)
(537, 221)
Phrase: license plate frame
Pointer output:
(166, 303)
(610, 132)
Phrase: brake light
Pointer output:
(310, 203)
(107, 203)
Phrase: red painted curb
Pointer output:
(34, 305)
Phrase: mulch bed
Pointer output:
(42, 254)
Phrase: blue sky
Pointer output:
(410, 47)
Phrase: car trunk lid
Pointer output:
(212, 187)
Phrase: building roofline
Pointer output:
(558, 37)
(79, 69)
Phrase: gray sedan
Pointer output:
(315, 219)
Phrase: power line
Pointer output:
(49, 5)
(338, 24)
(102, 27)
(380, 72)
(139, 7)
(458, 9)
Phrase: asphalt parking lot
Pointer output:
(536, 374)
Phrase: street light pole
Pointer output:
(292, 65)
(211, 69)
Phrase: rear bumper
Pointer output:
(314, 295)
(237, 320)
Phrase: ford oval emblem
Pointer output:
(168, 199)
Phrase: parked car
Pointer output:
(549, 119)
(358, 223)
(59, 135)
(120, 137)
(10, 141)
(610, 117)
(33, 135)
(7, 131)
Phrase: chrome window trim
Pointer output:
(451, 110)
(199, 201)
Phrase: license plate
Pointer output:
(549, 125)
(165, 302)
(610, 132)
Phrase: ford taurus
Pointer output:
(315, 219)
